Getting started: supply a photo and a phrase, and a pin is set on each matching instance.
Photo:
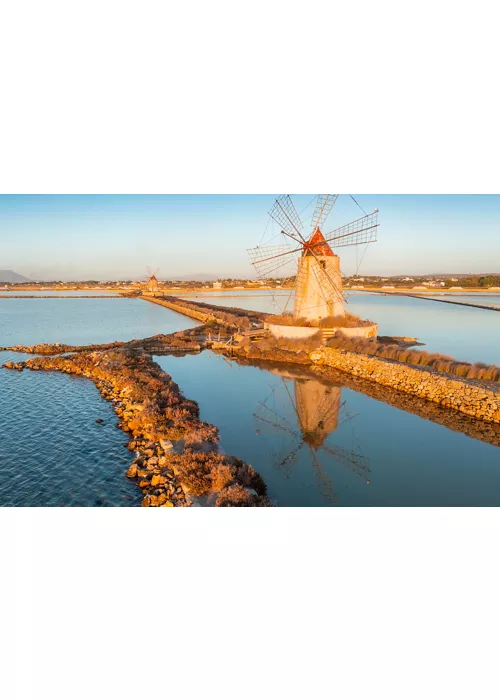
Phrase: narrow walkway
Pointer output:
(440, 301)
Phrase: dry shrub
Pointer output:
(247, 476)
(222, 476)
(238, 497)
(194, 470)
(300, 344)
(204, 472)
(347, 321)
(287, 319)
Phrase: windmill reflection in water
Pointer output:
(319, 411)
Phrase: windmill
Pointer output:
(318, 291)
(319, 411)
(151, 285)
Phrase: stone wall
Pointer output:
(477, 399)
(185, 311)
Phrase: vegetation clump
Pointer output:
(347, 321)
(238, 497)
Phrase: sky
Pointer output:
(68, 237)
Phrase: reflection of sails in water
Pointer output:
(319, 412)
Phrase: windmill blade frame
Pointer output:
(324, 205)
(268, 259)
(284, 213)
(357, 232)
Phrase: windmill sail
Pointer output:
(324, 205)
(284, 213)
(268, 259)
(360, 231)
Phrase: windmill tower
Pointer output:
(318, 292)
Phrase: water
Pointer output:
(52, 452)
(315, 444)
(64, 293)
(84, 321)
(322, 444)
(462, 332)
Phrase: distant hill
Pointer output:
(8, 276)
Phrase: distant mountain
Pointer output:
(8, 276)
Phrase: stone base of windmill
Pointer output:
(364, 330)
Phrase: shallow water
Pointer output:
(84, 321)
(462, 332)
(52, 451)
(51, 293)
(320, 444)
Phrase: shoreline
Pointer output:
(178, 461)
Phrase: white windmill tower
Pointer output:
(318, 292)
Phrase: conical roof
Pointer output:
(317, 244)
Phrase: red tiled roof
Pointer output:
(318, 245)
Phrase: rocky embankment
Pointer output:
(475, 398)
(229, 316)
(478, 399)
(191, 339)
(178, 461)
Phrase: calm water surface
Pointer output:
(51, 293)
(84, 321)
(321, 444)
(315, 444)
(52, 452)
(462, 332)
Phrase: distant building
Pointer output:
(217, 285)
(152, 286)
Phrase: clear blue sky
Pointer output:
(118, 236)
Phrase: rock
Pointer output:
(132, 471)
(166, 445)
(99, 420)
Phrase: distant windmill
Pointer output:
(151, 285)
(319, 412)
(318, 292)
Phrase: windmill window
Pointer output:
(323, 264)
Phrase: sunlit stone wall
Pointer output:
(471, 397)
